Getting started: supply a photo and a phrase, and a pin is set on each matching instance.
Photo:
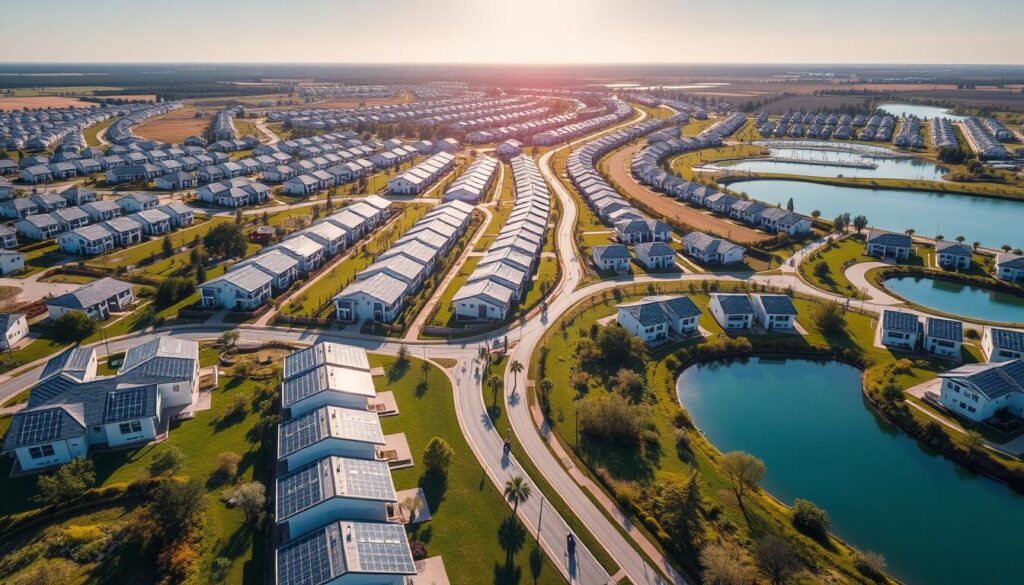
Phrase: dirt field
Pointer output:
(173, 127)
(43, 101)
(617, 165)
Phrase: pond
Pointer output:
(993, 222)
(919, 111)
(813, 162)
(955, 298)
(935, 522)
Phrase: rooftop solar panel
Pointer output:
(126, 404)
(41, 426)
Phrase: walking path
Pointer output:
(857, 275)
(272, 137)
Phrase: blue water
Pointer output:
(935, 522)
(993, 222)
(973, 302)
(888, 168)
(919, 111)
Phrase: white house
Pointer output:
(709, 250)
(281, 267)
(37, 227)
(14, 328)
(378, 298)
(732, 311)
(137, 202)
(655, 318)
(774, 311)
(375, 553)
(509, 148)
(953, 255)
(979, 391)
(898, 329)
(245, 289)
(612, 257)
(1009, 267)
(655, 255)
(11, 262)
(943, 337)
(483, 299)
(888, 244)
(329, 430)
(1001, 344)
(309, 253)
(97, 299)
(87, 241)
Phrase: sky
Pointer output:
(514, 31)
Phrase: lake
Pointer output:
(993, 222)
(888, 168)
(919, 111)
(972, 302)
(935, 522)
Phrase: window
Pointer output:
(128, 428)
(41, 451)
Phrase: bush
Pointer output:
(437, 456)
(73, 327)
(821, 269)
(172, 290)
(220, 568)
(167, 462)
(227, 465)
(810, 519)
(418, 549)
(612, 418)
(869, 563)
(68, 483)
(829, 317)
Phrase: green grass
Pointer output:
(124, 257)
(695, 127)
(683, 164)
(468, 511)
(445, 315)
(41, 258)
(837, 256)
(92, 132)
(69, 278)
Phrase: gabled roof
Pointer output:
(380, 286)
(248, 278)
(994, 380)
(91, 294)
(654, 249)
(328, 422)
(900, 321)
(333, 477)
(326, 378)
(611, 252)
(734, 304)
(1005, 260)
(1007, 339)
(341, 548)
(888, 238)
(776, 304)
(325, 352)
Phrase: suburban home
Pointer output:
(710, 250)
(97, 299)
(1001, 344)
(636, 231)
(325, 353)
(36, 174)
(137, 202)
(1009, 267)
(175, 181)
(375, 552)
(732, 311)
(774, 311)
(8, 237)
(70, 218)
(328, 385)
(245, 289)
(181, 215)
(132, 172)
(70, 409)
(503, 273)
(888, 244)
(943, 337)
(302, 185)
(483, 299)
(656, 318)
(47, 202)
(509, 148)
(776, 220)
(612, 257)
(11, 262)
(282, 268)
(101, 210)
(126, 231)
(979, 391)
(308, 252)
(378, 298)
(153, 221)
(655, 255)
(86, 241)
(411, 272)
(37, 227)
(898, 329)
(953, 255)
(13, 328)
(329, 430)
(18, 208)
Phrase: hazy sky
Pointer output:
(514, 31)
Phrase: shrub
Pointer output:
(869, 563)
(172, 290)
(73, 327)
(220, 568)
(68, 483)
(612, 418)
(821, 269)
(227, 465)
(167, 462)
(437, 456)
(829, 317)
(810, 519)
(418, 549)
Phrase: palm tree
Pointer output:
(1007, 247)
(960, 239)
(517, 491)
(425, 368)
(976, 245)
(515, 367)
(545, 386)
(494, 382)
(910, 232)
(483, 354)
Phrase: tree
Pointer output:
(725, 563)
(815, 214)
(821, 269)
(839, 224)
(910, 232)
(544, 388)
(402, 357)
(68, 483)
(73, 326)
(828, 316)
(167, 462)
(860, 222)
(789, 204)
(195, 257)
(228, 338)
(744, 471)
(776, 558)
(238, 216)
(517, 491)
(251, 498)
(1006, 247)
(973, 441)
(495, 383)
(515, 367)
(810, 519)
(177, 506)
(960, 239)
(976, 245)
(172, 290)
(438, 456)
(425, 369)
(678, 504)
(974, 166)
(412, 505)
(225, 239)
(168, 247)
(200, 274)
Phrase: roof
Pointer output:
(899, 321)
(495, 292)
(274, 262)
(776, 304)
(1005, 260)
(953, 248)
(301, 246)
(90, 295)
(248, 278)
(345, 547)
(328, 422)
(327, 378)
(74, 361)
(734, 304)
(654, 249)
(325, 352)
(888, 238)
(9, 319)
(333, 477)
(163, 356)
(611, 252)
(380, 286)
(944, 329)
(709, 244)
(994, 380)
(1007, 339)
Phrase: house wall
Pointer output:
(328, 398)
(11, 263)
(115, 438)
(321, 449)
(899, 339)
(333, 510)
(737, 322)
(63, 452)
(943, 347)
(17, 332)
(973, 405)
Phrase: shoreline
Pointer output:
(836, 182)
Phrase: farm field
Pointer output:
(42, 101)
(175, 126)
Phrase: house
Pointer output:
(86, 241)
(953, 255)
(636, 231)
(234, 193)
(71, 409)
(888, 244)
(11, 262)
(1001, 344)
(655, 318)
(281, 267)
(37, 227)
(332, 489)
(324, 353)
(509, 148)
(378, 298)
(70, 218)
(245, 289)
(900, 330)
(309, 253)
(18, 208)
(137, 202)
(181, 215)
(126, 230)
(327, 385)
(328, 430)
(409, 271)
(14, 328)
(328, 235)
(449, 145)
(613, 257)
(710, 250)
(36, 174)
(132, 172)
(655, 255)
(732, 311)
(373, 552)
(8, 237)
(175, 181)
(47, 202)
(943, 337)
(101, 210)
(301, 185)
(1009, 267)
(153, 221)
(97, 299)
(979, 391)
(774, 311)
(484, 300)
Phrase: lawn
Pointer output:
(445, 316)
(695, 127)
(124, 257)
(683, 164)
(838, 256)
(41, 258)
(468, 510)
(92, 132)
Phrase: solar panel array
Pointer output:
(382, 548)
(778, 304)
(303, 386)
(366, 479)
(297, 433)
(298, 491)
(41, 426)
(356, 425)
(945, 329)
(126, 404)
(305, 561)
(299, 361)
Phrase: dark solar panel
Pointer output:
(383, 548)
(297, 433)
(298, 491)
(38, 427)
(305, 561)
(126, 404)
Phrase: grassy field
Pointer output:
(40, 259)
(695, 127)
(838, 256)
(92, 132)
(122, 258)
(445, 315)
(683, 164)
